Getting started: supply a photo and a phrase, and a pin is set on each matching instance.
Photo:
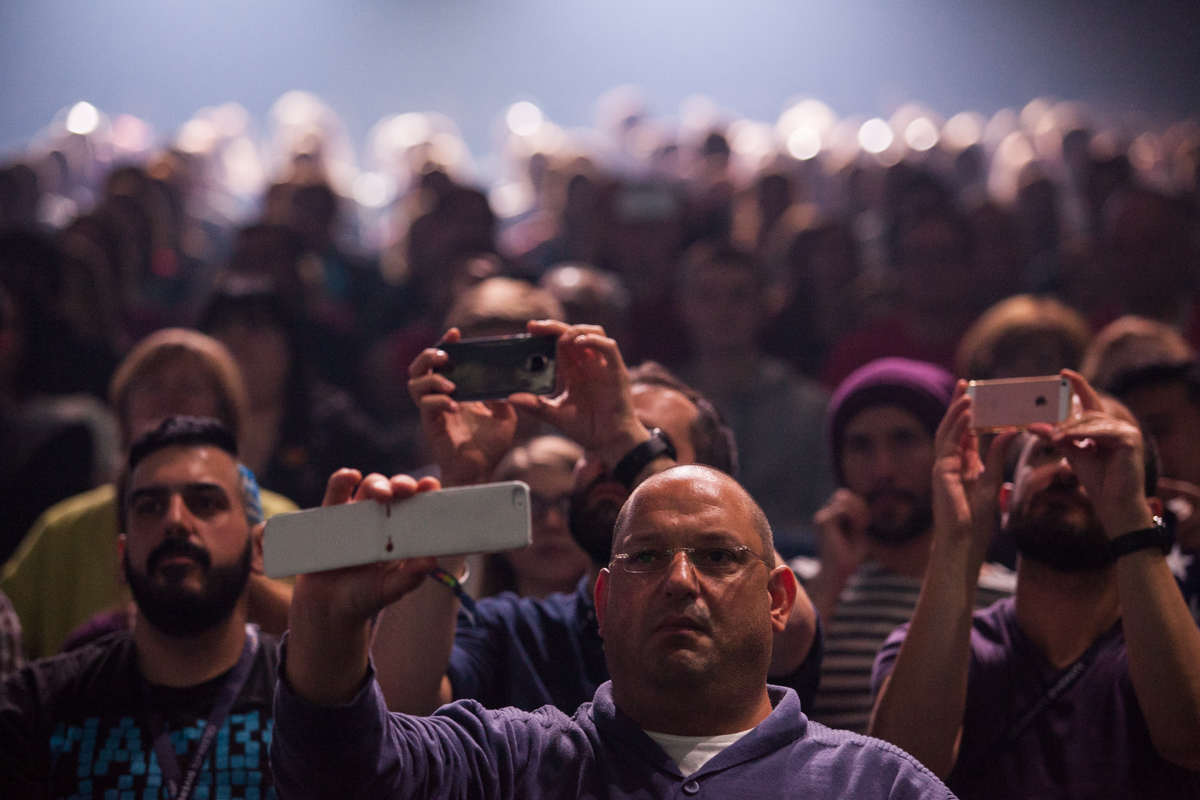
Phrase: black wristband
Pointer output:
(633, 462)
(1155, 536)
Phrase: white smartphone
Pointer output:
(1018, 402)
(466, 519)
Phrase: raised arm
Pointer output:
(920, 706)
(414, 636)
(1161, 639)
(330, 619)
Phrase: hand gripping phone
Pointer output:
(1018, 402)
(495, 367)
(467, 519)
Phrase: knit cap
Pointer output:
(920, 388)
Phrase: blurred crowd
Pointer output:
(762, 263)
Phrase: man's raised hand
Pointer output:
(467, 439)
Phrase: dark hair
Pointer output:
(177, 431)
(181, 431)
(1185, 373)
(712, 438)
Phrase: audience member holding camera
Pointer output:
(687, 607)
(1087, 682)
(528, 652)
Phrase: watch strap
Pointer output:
(633, 462)
(1155, 536)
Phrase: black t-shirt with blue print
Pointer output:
(76, 726)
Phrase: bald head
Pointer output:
(697, 483)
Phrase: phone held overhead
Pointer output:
(1019, 402)
(493, 368)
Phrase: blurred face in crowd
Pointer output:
(1168, 414)
(721, 305)
(936, 267)
(599, 496)
(680, 627)
(887, 460)
(177, 386)
(261, 352)
(187, 551)
(1050, 516)
(553, 562)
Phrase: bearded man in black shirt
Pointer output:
(180, 705)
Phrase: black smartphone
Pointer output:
(493, 368)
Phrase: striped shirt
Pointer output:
(873, 604)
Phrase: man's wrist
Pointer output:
(1129, 520)
(620, 445)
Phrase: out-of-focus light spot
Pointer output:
(963, 130)
(698, 113)
(1033, 113)
(130, 134)
(297, 108)
(750, 139)
(1015, 151)
(806, 114)
(875, 135)
(83, 118)
(523, 118)
(371, 190)
(509, 199)
(230, 119)
(1003, 122)
(403, 131)
(244, 172)
(447, 149)
(568, 277)
(921, 134)
(804, 143)
(197, 136)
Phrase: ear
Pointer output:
(1006, 492)
(256, 537)
(601, 598)
(782, 586)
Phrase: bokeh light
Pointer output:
(875, 135)
(83, 118)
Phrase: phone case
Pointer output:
(467, 519)
(494, 368)
(1019, 401)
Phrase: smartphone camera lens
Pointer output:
(535, 363)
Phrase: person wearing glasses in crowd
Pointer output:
(687, 608)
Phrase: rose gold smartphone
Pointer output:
(1018, 402)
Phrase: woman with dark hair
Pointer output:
(298, 429)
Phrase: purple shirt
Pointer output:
(1092, 742)
(361, 750)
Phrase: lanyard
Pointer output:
(179, 784)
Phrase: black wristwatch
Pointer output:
(633, 462)
(1154, 536)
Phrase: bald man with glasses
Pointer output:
(687, 608)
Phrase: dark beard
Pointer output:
(592, 523)
(180, 612)
(1042, 531)
(916, 525)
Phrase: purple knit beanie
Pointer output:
(921, 388)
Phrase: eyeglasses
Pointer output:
(720, 562)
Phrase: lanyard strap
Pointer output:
(1014, 732)
(180, 785)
